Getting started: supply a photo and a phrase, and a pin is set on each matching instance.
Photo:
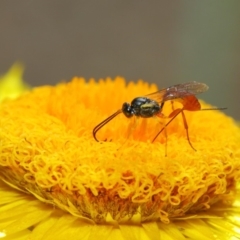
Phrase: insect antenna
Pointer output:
(104, 122)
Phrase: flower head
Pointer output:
(47, 150)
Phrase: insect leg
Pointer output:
(186, 128)
(132, 126)
(166, 137)
(172, 103)
(173, 115)
(165, 130)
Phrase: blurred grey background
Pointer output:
(165, 42)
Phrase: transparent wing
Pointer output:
(178, 91)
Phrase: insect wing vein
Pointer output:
(178, 91)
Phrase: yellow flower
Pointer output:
(123, 187)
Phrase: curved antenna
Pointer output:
(104, 122)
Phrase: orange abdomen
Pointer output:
(190, 103)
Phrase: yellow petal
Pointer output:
(11, 84)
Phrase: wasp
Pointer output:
(152, 105)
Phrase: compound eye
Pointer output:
(127, 110)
